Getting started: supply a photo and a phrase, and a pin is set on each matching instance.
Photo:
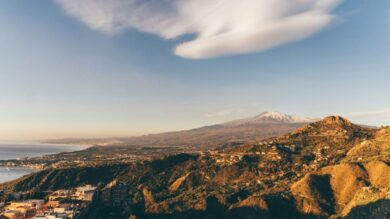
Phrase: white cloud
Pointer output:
(221, 27)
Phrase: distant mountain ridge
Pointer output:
(271, 117)
(264, 125)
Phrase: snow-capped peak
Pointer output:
(271, 117)
(274, 115)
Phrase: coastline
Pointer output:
(8, 174)
(18, 159)
(11, 164)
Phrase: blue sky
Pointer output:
(63, 77)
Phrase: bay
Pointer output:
(15, 151)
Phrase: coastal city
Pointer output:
(62, 204)
(95, 155)
(194, 109)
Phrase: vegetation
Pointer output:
(314, 172)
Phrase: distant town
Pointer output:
(97, 155)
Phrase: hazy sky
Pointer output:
(96, 68)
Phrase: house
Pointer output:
(85, 193)
(65, 209)
(26, 209)
(53, 204)
(37, 204)
(54, 216)
(60, 194)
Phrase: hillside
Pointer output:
(52, 179)
(264, 125)
(317, 171)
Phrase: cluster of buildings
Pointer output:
(321, 158)
(37, 209)
(227, 159)
(21, 209)
(63, 204)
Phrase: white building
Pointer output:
(85, 193)
(58, 216)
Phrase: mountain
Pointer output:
(265, 125)
(270, 118)
(330, 168)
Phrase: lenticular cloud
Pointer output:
(221, 27)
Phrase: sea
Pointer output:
(14, 151)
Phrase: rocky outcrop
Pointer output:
(176, 185)
(314, 195)
(148, 197)
(345, 181)
(252, 207)
(266, 206)
(379, 174)
(340, 188)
